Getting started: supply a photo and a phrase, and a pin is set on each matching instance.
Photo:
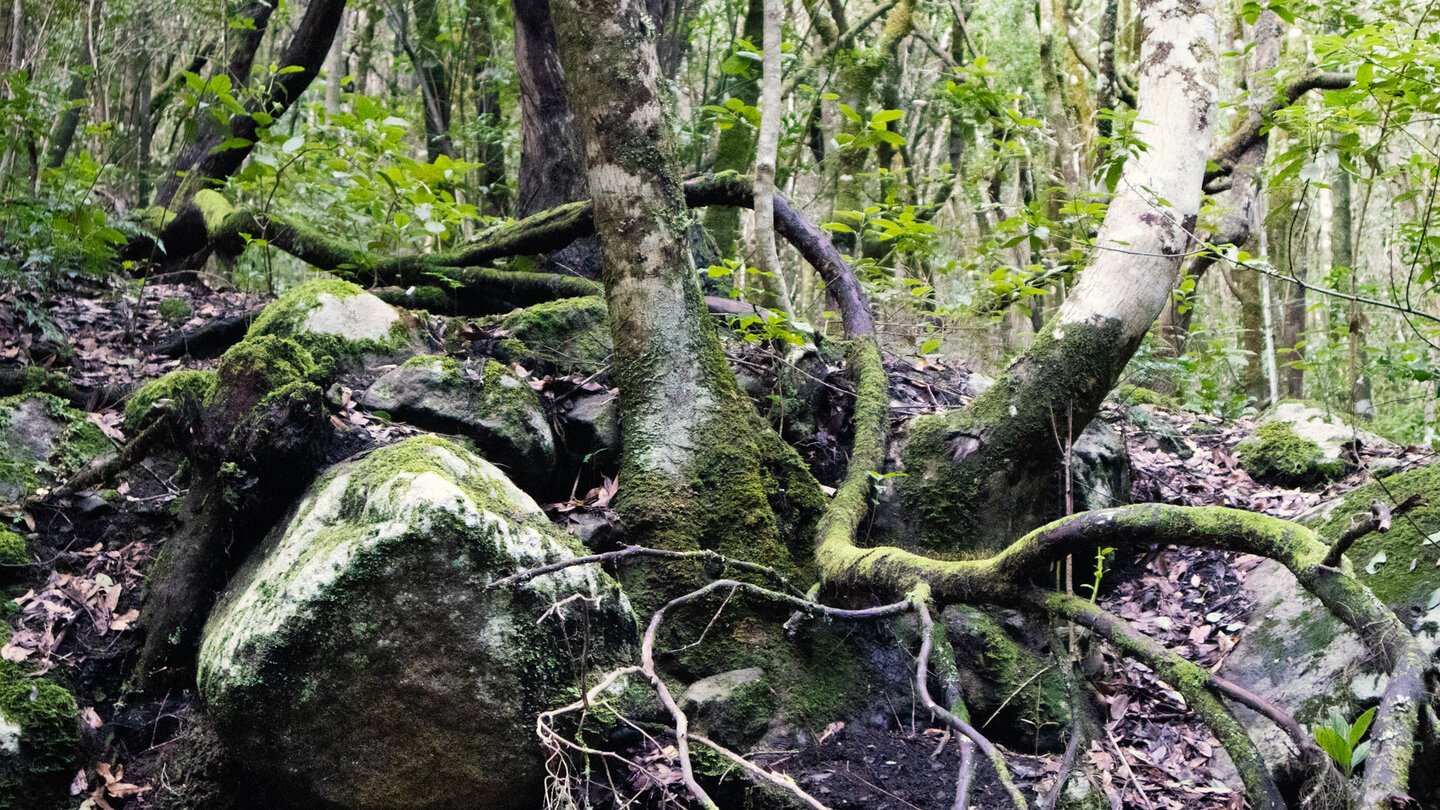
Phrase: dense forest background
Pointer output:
(719, 403)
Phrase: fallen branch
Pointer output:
(1377, 521)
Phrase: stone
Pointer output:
(733, 708)
(1100, 467)
(1326, 430)
(43, 441)
(492, 406)
(334, 318)
(359, 660)
(566, 336)
(1294, 653)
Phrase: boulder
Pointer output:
(1296, 654)
(493, 406)
(1298, 445)
(566, 336)
(358, 659)
(43, 441)
(334, 318)
(733, 708)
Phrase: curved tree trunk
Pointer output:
(974, 474)
(699, 466)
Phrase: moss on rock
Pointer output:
(13, 553)
(1393, 579)
(565, 336)
(335, 318)
(42, 441)
(1278, 455)
(39, 738)
(334, 665)
(183, 389)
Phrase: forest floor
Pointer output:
(77, 605)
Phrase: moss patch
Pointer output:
(1395, 581)
(39, 738)
(13, 552)
(565, 336)
(43, 440)
(182, 389)
(1278, 455)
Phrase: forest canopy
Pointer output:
(719, 403)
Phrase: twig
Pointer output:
(1377, 521)
(1129, 772)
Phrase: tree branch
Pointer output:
(1254, 126)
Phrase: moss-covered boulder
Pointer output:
(39, 739)
(1278, 455)
(183, 389)
(733, 708)
(43, 441)
(1296, 654)
(490, 405)
(359, 661)
(566, 336)
(1002, 676)
(1298, 445)
(334, 318)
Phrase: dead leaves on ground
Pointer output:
(87, 603)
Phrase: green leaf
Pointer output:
(290, 146)
(886, 116)
(1362, 724)
(849, 113)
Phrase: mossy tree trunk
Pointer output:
(735, 148)
(699, 467)
(974, 474)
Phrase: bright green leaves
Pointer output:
(734, 112)
(876, 130)
(1342, 740)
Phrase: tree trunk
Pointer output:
(199, 164)
(735, 149)
(495, 196)
(552, 170)
(1342, 254)
(1287, 234)
(699, 467)
(428, 57)
(335, 70)
(63, 136)
(974, 474)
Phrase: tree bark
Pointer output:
(436, 87)
(735, 148)
(198, 165)
(1286, 221)
(699, 468)
(64, 133)
(974, 474)
(552, 170)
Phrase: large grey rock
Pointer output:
(493, 407)
(1326, 430)
(733, 708)
(334, 318)
(358, 660)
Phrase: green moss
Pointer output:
(569, 335)
(75, 444)
(183, 390)
(287, 315)
(46, 715)
(1139, 395)
(1396, 581)
(980, 503)
(1279, 455)
(512, 399)
(174, 310)
(38, 380)
(13, 552)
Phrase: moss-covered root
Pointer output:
(1188, 679)
(1392, 738)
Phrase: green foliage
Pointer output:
(1342, 740)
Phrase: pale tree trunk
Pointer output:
(490, 153)
(1287, 230)
(1236, 223)
(974, 474)
(699, 466)
(335, 70)
(768, 144)
(1342, 254)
